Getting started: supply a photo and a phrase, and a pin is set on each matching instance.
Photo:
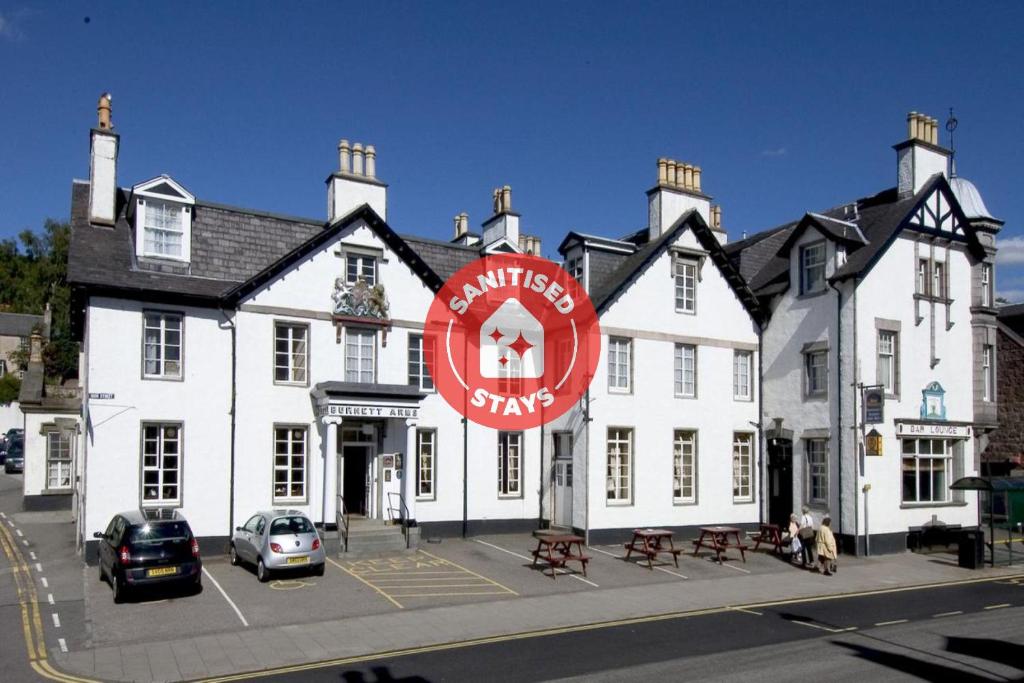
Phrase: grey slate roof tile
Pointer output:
(18, 324)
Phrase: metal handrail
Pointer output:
(403, 512)
(342, 520)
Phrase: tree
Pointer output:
(33, 273)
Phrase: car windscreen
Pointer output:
(154, 532)
(290, 525)
(15, 450)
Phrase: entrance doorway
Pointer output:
(356, 467)
(780, 481)
(563, 480)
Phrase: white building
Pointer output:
(894, 290)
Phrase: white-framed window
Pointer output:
(289, 464)
(686, 286)
(741, 375)
(574, 266)
(426, 470)
(939, 279)
(927, 470)
(58, 460)
(162, 342)
(684, 466)
(360, 266)
(162, 229)
(986, 284)
(419, 354)
(291, 353)
(988, 369)
(360, 354)
(742, 466)
(620, 364)
(888, 361)
(3, 367)
(812, 268)
(510, 458)
(510, 375)
(817, 470)
(620, 465)
(923, 273)
(816, 373)
(685, 368)
(161, 463)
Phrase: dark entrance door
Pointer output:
(356, 459)
(780, 481)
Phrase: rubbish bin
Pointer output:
(971, 553)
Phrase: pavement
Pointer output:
(449, 592)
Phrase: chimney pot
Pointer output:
(696, 178)
(506, 198)
(671, 171)
(357, 159)
(344, 156)
(663, 171)
(687, 182)
(934, 130)
(371, 161)
(103, 112)
(35, 353)
(912, 125)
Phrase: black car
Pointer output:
(147, 549)
(14, 458)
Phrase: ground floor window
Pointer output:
(620, 465)
(289, 464)
(426, 448)
(742, 463)
(58, 461)
(161, 463)
(927, 470)
(510, 453)
(817, 470)
(684, 467)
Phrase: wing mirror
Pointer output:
(98, 534)
(239, 528)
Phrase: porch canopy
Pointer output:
(363, 400)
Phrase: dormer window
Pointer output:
(812, 268)
(162, 213)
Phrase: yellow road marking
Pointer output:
(469, 571)
(441, 647)
(891, 623)
(1005, 604)
(947, 614)
(439, 595)
(359, 578)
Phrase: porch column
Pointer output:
(329, 501)
(409, 468)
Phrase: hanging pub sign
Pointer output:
(873, 443)
(874, 405)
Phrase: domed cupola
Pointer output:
(970, 199)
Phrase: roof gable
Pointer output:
(164, 187)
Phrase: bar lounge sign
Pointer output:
(932, 429)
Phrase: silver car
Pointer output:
(278, 540)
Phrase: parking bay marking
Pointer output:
(620, 557)
(226, 597)
(565, 572)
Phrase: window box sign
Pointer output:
(952, 431)
(874, 405)
(369, 410)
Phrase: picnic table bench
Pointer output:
(716, 538)
(769, 534)
(650, 543)
(557, 549)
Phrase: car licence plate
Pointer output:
(161, 571)
(298, 560)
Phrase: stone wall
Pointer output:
(1006, 444)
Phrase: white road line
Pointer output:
(46, 584)
(11, 523)
(32, 555)
(63, 644)
(39, 567)
(56, 620)
(824, 628)
(49, 598)
(3, 514)
(18, 531)
(621, 557)
(24, 542)
(1005, 604)
(726, 564)
(226, 597)
(748, 611)
(946, 614)
(530, 559)
(890, 623)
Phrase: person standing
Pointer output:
(806, 536)
(825, 545)
(793, 536)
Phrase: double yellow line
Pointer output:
(31, 619)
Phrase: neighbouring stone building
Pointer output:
(1005, 453)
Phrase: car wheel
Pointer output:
(233, 555)
(318, 570)
(262, 573)
(120, 590)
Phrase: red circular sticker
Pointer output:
(512, 341)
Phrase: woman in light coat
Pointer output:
(825, 545)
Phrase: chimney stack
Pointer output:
(462, 234)
(529, 244)
(355, 182)
(103, 147)
(920, 156)
(505, 222)
(678, 191)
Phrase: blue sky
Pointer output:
(787, 107)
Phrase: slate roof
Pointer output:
(18, 324)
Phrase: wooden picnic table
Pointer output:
(769, 534)
(557, 549)
(650, 543)
(716, 538)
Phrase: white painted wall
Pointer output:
(10, 416)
